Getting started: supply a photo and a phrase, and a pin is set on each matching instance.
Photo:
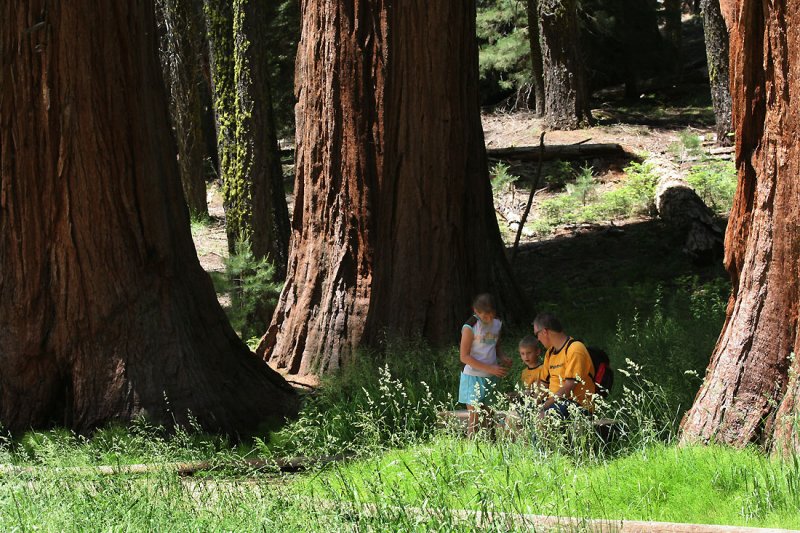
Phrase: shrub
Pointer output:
(502, 179)
(688, 145)
(253, 288)
(561, 209)
(584, 188)
(641, 185)
(715, 183)
(613, 204)
(560, 173)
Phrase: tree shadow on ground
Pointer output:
(666, 108)
(588, 260)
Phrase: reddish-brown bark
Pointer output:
(106, 313)
(751, 388)
(322, 309)
(394, 229)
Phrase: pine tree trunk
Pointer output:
(716, 37)
(672, 28)
(106, 311)
(394, 229)
(751, 388)
(537, 72)
(255, 206)
(181, 34)
(566, 99)
(258, 160)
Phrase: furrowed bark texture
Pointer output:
(566, 100)
(258, 159)
(751, 390)
(252, 181)
(438, 243)
(106, 311)
(339, 85)
(393, 230)
(181, 32)
(537, 73)
(717, 53)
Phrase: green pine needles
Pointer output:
(253, 287)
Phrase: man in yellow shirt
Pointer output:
(568, 366)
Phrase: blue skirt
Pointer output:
(473, 389)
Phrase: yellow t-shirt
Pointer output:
(572, 362)
(530, 376)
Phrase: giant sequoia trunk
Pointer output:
(181, 34)
(394, 229)
(255, 204)
(537, 73)
(751, 390)
(566, 99)
(716, 37)
(106, 312)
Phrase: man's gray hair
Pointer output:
(548, 321)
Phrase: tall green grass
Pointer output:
(657, 483)
(407, 473)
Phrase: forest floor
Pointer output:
(604, 253)
(621, 250)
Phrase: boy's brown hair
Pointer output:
(529, 341)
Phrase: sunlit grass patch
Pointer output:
(712, 485)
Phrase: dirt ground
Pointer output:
(577, 255)
(588, 255)
(210, 239)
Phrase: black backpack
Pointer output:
(603, 373)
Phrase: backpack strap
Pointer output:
(566, 353)
(600, 373)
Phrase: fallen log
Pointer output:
(188, 468)
(564, 152)
(680, 207)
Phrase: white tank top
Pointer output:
(484, 345)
